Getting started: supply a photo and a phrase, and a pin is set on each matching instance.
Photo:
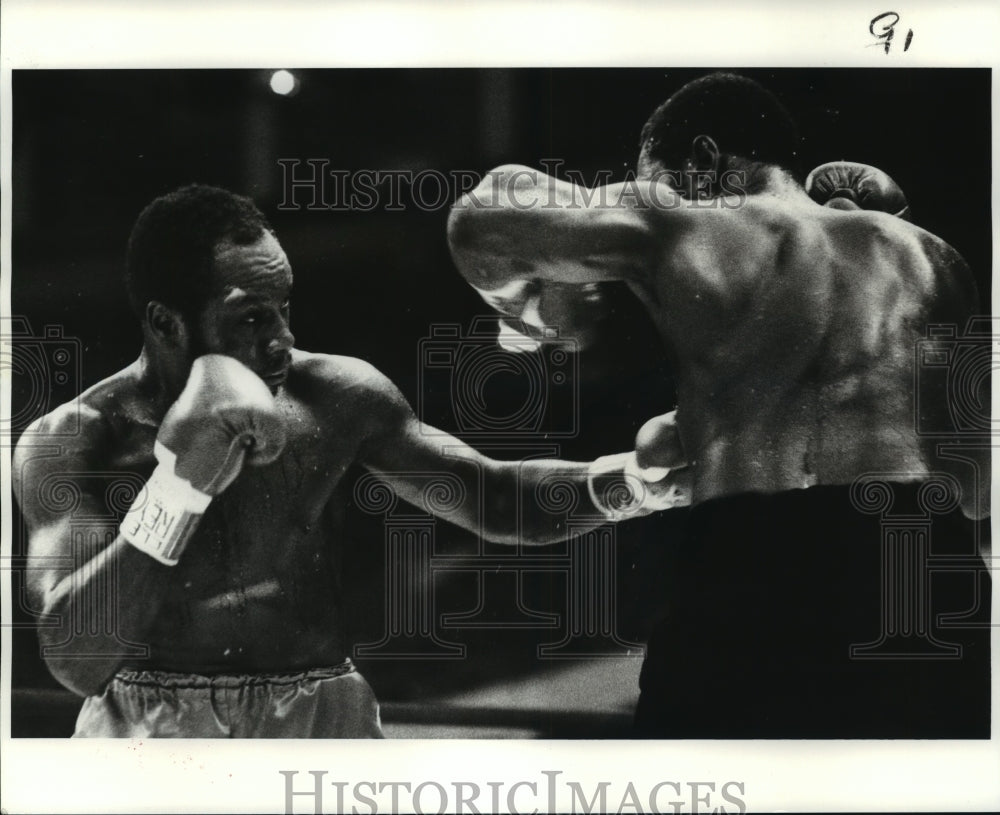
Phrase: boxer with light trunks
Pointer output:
(226, 565)
(792, 330)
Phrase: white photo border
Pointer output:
(41, 775)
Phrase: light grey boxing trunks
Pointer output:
(323, 703)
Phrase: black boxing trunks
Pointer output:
(829, 612)
(322, 703)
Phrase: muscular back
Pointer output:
(793, 328)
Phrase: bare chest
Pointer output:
(287, 506)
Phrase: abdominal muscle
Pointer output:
(257, 639)
(245, 600)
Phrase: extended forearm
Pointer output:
(530, 502)
(556, 498)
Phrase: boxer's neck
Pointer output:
(755, 178)
(162, 375)
(776, 181)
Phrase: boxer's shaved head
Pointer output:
(744, 119)
(172, 245)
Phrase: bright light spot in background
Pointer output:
(283, 82)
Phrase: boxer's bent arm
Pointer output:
(967, 458)
(57, 583)
(519, 224)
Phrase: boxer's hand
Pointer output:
(849, 185)
(224, 415)
(662, 464)
(673, 490)
(658, 447)
(655, 476)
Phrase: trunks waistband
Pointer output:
(906, 491)
(170, 679)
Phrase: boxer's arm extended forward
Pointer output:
(520, 224)
(58, 583)
(508, 501)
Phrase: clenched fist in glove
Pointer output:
(655, 476)
(225, 416)
(849, 185)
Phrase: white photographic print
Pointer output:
(425, 408)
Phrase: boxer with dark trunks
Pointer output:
(225, 566)
(792, 329)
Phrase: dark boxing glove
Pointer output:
(851, 186)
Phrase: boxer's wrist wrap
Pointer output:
(622, 492)
(648, 475)
(619, 495)
(164, 512)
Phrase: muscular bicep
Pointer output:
(426, 467)
(947, 377)
(519, 224)
(963, 333)
(61, 493)
(441, 475)
(435, 472)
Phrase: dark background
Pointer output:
(91, 148)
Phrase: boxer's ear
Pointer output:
(705, 153)
(166, 324)
(701, 167)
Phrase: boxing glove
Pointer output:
(225, 416)
(655, 476)
(658, 447)
(849, 185)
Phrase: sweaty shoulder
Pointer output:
(920, 259)
(78, 436)
(865, 241)
(334, 373)
(88, 424)
(954, 282)
(346, 387)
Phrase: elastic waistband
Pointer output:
(169, 679)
